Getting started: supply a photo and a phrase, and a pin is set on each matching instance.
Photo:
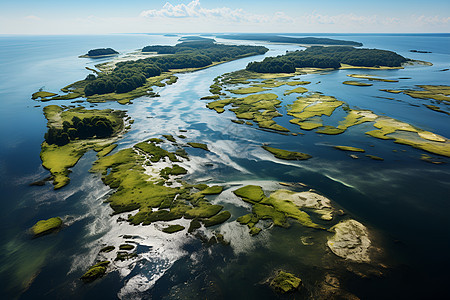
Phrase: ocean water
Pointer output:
(403, 200)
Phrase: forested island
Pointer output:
(291, 40)
(100, 52)
(130, 75)
(327, 57)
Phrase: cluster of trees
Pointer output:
(327, 57)
(129, 75)
(120, 82)
(88, 127)
(102, 51)
(293, 40)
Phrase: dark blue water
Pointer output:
(404, 201)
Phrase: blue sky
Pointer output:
(114, 16)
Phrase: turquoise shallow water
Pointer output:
(402, 200)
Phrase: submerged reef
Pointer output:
(350, 241)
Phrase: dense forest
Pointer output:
(102, 51)
(96, 126)
(132, 74)
(327, 57)
(291, 40)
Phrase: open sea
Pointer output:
(403, 201)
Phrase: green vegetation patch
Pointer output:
(250, 193)
(217, 219)
(42, 95)
(260, 108)
(374, 157)
(199, 145)
(148, 191)
(170, 138)
(299, 90)
(249, 90)
(287, 155)
(126, 247)
(406, 134)
(371, 77)
(213, 97)
(357, 83)
(173, 228)
(46, 226)
(349, 148)
(212, 190)
(436, 108)
(435, 92)
(308, 110)
(155, 152)
(330, 130)
(285, 282)
(72, 132)
(107, 249)
(102, 151)
(95, 272)
(275, 208)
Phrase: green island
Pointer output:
(356, 83)
(198, 145)
(74, 131)
(327, 57)
(142, 184)
(287, 155)
(277, 207)
(349, 148)
(284, 282)
(46, 226)
(100, 52)
(291, 40)
(371, 77)
(128, 80)
(173, 228)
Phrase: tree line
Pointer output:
(327, 57)
(89, 127)
(130, 75)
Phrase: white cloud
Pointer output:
(432, 20)
(33, 18)
(195, 10)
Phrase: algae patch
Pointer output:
(285, 282)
